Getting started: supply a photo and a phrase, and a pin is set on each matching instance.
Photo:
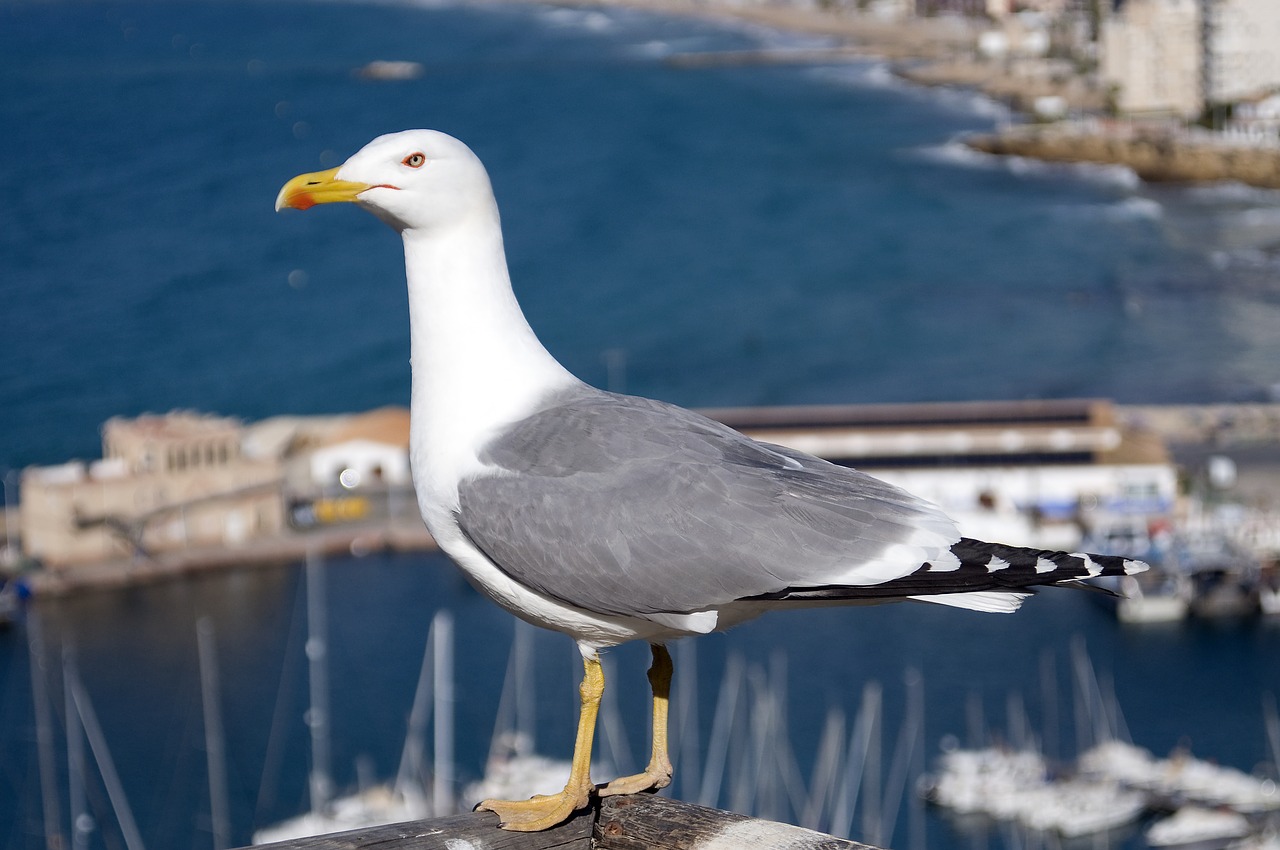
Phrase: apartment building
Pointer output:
(1150, 53)
(1241, 46)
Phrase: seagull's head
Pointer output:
(414, 180)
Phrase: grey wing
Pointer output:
(622, 505)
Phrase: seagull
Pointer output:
(614, 518)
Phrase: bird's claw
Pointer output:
(655, 778)
(537, 813)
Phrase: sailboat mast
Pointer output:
(442, 689)
(320, 780)
(206, 644)
(53, 837)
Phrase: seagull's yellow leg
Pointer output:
(658, 773)
(544, 812)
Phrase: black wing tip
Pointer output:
(1040, 566)
(983, 567)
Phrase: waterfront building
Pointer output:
(187, 480)
(1241, 49)
(164, 482)
(1149, 52)
(368, 450)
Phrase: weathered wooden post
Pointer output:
(638, 822)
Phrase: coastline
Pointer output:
(930, 52)
(940, 52)
(919, 39)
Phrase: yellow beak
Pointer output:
(320, 187)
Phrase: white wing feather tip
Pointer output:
(1091, 566)
(988, 601)
(700, 622)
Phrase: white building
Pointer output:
(1257, 119)
(358, 463)
(1150, 52)
(367, 450)
(1241, 49)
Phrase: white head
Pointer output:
(413, 180)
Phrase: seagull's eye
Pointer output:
(415, 160)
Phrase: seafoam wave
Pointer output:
(956, 152)
(593, 20)
(1268, 216)
(1254, 259)
(1133, 208)
(1230, 192)
(664, 48)
(770, 38)
(872, 73)
(878, 74)
(970, 102)
(1119, 176)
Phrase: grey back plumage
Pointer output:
(623, 505)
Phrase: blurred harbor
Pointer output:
(1191, 488)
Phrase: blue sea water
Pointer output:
(753, 235)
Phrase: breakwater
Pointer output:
(1156, 156)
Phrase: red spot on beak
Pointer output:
(302, 201)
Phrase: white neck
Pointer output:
(477, 364)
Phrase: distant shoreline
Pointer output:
(928, 52)
(921, 38)
(938, 52)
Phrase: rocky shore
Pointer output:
(1155, 157)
